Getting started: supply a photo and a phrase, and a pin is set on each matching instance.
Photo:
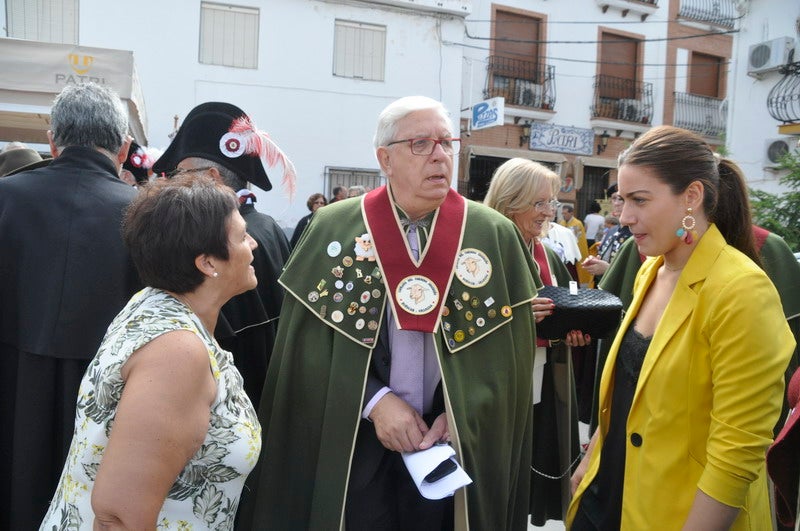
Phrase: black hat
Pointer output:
(138, 162)
(17, 160)
(224, 134)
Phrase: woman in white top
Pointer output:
(164, 432)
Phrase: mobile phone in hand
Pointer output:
(445, 467)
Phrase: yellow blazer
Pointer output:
(708, 395)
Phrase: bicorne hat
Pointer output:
(783, 458)
(224, 134)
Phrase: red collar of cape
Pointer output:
(394, 256)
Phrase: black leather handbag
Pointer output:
(592, 311)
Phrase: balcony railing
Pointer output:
(719, 12)
(702, 114)
(783, 102)
(521, 83)
(623, 99)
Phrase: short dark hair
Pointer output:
(568, 208)
(594, 207)
(173, 221)
(313, 199)
(339, 189)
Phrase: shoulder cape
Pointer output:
(312, 398)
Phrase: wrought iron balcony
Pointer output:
(783, 101)
(623, 99)
(719, 12)
(521, 83)
(702, 114)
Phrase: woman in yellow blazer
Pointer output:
(694, 381)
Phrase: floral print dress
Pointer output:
(206, 493)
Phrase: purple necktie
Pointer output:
(407, 347)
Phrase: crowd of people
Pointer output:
(174, 361)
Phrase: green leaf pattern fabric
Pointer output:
(206, 493)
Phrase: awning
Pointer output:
(35, 72)
(594, 162)
(506, 153)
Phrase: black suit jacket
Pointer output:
(64, 271)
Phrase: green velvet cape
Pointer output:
(312, 400)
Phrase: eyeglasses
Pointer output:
(318, 203)
(425, 146)
(544, 206)
(183, 171)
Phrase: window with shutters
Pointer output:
(703, 108)
(228, 35)
(618, 58)
(706, 75)
(359, 50)
(347, 177)
(43, 20)
(620, 93)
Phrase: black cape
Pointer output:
(64, 275)
(248, 322)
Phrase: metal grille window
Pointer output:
(228, 35)
(43, 20)
(347, 177)
(359, 50)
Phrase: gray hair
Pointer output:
(399, 109)
(230, 178)
(88, 115)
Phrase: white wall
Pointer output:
(749, 122)
(317, 119)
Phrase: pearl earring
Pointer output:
(215, 274)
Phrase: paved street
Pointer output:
(557, 525)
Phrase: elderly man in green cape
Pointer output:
(407, 323)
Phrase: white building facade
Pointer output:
(579, 79)
(314, 74)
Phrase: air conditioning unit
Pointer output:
(776, 148)
(629, 110)
(769, 55)
(528, 93)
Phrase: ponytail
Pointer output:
(732, 214)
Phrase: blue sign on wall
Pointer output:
(488, 113)
(562, 139)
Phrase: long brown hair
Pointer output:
(679, 157)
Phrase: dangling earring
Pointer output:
(686, 232)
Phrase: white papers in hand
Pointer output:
(421, 463)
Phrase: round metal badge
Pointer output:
(334, 249)
(473, 268)
(417, 294)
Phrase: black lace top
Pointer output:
(601, 504)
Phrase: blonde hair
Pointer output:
(515, 183)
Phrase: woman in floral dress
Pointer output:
(164, 433)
